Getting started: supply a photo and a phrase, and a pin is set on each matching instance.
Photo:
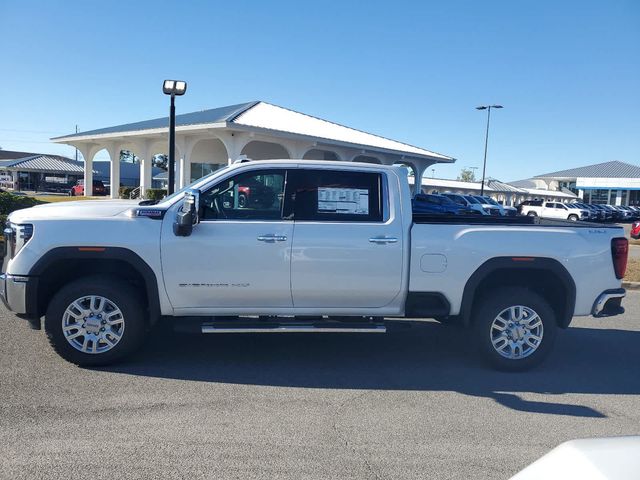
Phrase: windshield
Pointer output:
(491, 201)
(481, 200)
(472, 199)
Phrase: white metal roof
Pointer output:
(272, 117)
(262, 116)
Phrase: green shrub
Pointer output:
(125, 191)
(155, 193)
(10, 202)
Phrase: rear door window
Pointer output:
(334, 196)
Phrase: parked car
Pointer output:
(341, 242)
(438, 205)
(635, 230)
(78, 188)
(464, 202)
(608, 214)
(505, 210)
(555, 210)
(487, 207)
(618, 216)
(591, 215)
(494, 209)
(596, 214)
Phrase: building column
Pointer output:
(114, 171)
(418, 172)
(145, 175)
(87, 154)
(185, 172)
(145, 167)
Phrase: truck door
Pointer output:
(347, 246)
(239, 254)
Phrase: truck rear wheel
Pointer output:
(515, 327)
(95, 321)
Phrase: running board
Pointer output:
(212, 328)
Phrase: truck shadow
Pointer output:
(425, 357)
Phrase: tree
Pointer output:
(467, 175)
(160, 160)
(128, 156)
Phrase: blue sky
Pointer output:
(568, 73)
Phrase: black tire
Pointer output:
(495, 303)
(120, 293)
(72, 193)
(573, 218)
(532, 214)
(242, 200)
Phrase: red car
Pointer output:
(78, 188)
(635, 230)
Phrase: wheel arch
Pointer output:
(546, 276)
(63, 264)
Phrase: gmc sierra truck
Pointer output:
(556, 210)
(328, 247)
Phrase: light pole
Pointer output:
(486, 141)
(173, 88)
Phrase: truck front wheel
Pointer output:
(95, 321)
(515, 327)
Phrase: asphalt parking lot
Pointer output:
(410, 404)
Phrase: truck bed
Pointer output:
(425, 218)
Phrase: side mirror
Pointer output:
(187, 216)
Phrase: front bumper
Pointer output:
(609, 303)
(13, 292)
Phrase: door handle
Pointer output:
(272, 238)
(381, 240)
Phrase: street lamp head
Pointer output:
(482, 107)
(174, 87)
(497, 106)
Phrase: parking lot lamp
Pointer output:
(486, 141)
(173, 88)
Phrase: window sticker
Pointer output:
(352, 201)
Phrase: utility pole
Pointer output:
(76, 147)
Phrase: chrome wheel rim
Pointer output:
(516, 332)
(93, 324)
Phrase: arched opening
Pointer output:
(208, 155)
(367, 159)
(412, 172)
(258, 150)
(318, 154)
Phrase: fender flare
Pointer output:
(99, 253)
(523, 264)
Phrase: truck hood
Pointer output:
(69, 210)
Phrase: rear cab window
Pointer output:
(327, 195)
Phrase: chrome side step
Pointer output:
(271, 328)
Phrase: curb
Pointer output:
(631, 285)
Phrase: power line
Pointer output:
(29, 131)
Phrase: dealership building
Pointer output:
(613, 183)
(211, 139)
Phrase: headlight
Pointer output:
(17, 236)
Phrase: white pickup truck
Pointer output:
(555, 210)
(302, 246)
